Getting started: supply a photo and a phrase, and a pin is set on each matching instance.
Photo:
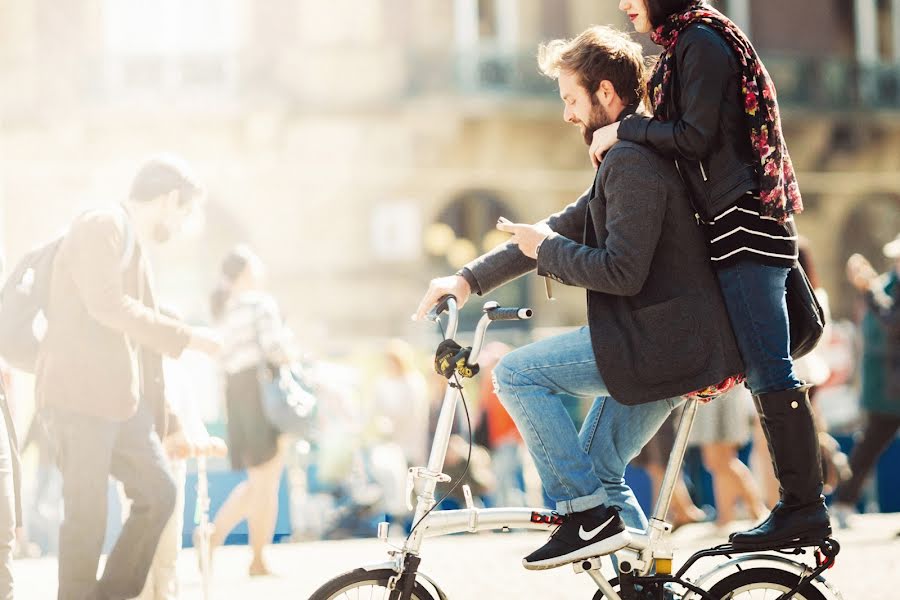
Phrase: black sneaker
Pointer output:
(587, 534)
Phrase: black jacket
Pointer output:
(658, 323)
(707, 133)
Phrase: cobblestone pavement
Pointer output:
(484, 566)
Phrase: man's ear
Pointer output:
(606, 92)
(172, 199)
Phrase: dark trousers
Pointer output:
(876, 437)
(90, 449)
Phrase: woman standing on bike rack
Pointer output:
(715, 114)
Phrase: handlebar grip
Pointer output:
(442, 305)
(510, 314)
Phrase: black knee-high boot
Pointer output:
(801, 515)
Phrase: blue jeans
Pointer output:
(754, 295)
(579, 470)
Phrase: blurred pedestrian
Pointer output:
(99, 379)
(503, 438)
(721, 429)
(400, 395)
(880, 394)
(654, 459)
(44, 501)
(10, 495)
(254, 337)
(400, 419)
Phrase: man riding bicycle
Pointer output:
(657, 326)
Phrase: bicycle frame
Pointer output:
(649, 551)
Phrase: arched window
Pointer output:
(466, 229)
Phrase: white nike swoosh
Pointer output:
(587, 535)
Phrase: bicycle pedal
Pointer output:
(590, 564)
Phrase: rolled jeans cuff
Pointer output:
(567, 507)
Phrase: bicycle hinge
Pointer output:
(416, 473)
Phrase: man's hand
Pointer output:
(205, 340)
(211, 446)
(604, 138)
(454, 285)
(177, 446)
(860, 272)
(526, 237)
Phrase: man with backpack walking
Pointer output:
(99, 378)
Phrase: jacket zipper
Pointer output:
(696, 214)
(703, 171)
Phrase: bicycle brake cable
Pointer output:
(458, 385)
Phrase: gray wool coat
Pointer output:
(658, 323)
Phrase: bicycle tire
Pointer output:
(738, 586)
(360, 579)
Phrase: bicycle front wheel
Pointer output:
(758, 582)
(361, 584)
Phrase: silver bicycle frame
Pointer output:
(645, 548)
(473, 519)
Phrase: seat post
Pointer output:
(676, 458)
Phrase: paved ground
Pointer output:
(485, 566)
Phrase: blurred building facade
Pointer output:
(363, 147)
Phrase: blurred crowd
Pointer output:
(368, 419)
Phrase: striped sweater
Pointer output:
(741, 232)
(253, 331)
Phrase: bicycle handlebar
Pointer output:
(443, 305)
(509, 314)
(492, 312)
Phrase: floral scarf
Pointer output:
(779, 192)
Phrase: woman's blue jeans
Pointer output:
(754, 295)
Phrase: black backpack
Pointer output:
(24, 298)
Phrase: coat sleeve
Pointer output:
(94, 248)
(635, 208)
(506, 262)
(704, 69)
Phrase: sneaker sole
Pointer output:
(806, 539)
(601, 548)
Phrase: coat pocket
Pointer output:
(669, 341)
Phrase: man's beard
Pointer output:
(162, 233)
(599, 118)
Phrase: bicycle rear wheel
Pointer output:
(361, 584)
(756, 583)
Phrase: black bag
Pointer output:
(25, 296)
(805, 314)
